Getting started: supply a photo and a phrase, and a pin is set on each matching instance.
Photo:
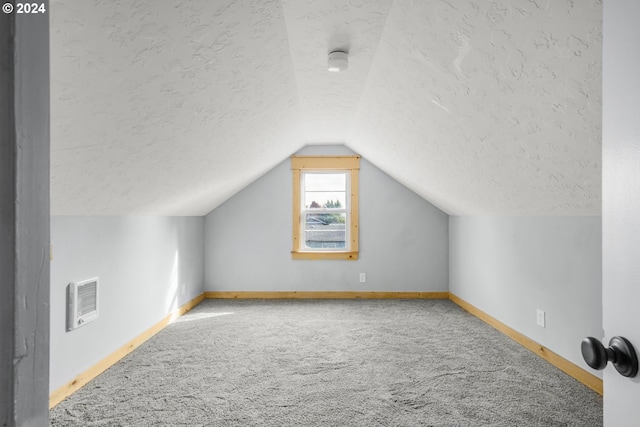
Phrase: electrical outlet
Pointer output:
(363, 277)
(540, 318)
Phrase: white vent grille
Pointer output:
(82, 307)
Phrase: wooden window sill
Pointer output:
(346, 256)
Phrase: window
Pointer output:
(325, 207)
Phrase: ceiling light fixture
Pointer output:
(338, 61)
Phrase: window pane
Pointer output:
(325, 199)
(325, 230)
(325, 181)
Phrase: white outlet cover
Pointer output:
(540, 318)
(363, 277)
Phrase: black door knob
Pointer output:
(620, 352)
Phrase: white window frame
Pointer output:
(304, 211)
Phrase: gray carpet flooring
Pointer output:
(330, 363)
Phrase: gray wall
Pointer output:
(142, 263)
(510, 266)
(403, 239)
(24, 222)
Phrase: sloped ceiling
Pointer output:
(170, 107)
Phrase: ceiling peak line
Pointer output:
(373, 60)
(293, 65)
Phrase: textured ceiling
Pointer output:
(170, 107)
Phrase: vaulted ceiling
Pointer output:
(171, 107)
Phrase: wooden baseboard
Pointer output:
(66, 390)
(324, 295)
(569, 368)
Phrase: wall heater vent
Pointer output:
(82, 303)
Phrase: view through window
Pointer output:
(325, 210)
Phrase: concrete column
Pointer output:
(24, 218)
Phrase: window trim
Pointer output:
(301, 164)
